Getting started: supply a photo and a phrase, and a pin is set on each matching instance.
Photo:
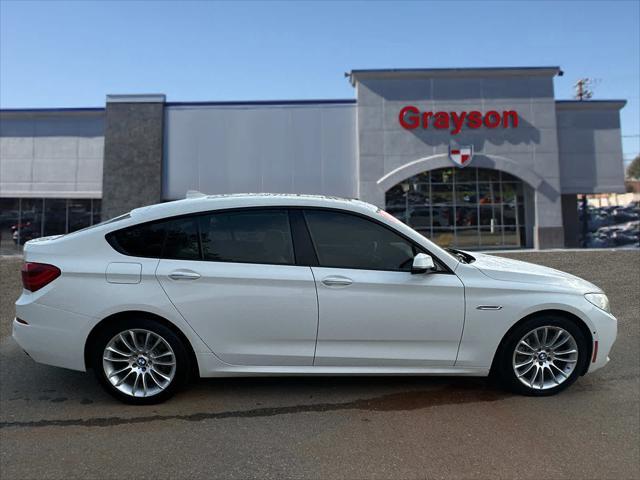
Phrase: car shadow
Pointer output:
(69, 391)
(376, 393)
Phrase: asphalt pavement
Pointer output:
(56, 423)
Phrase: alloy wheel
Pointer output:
(545, 357)
(139, 363)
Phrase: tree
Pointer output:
(633, 170)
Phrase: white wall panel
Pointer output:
(51, 154)
(260, 148)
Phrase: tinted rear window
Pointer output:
(249, 236)
(140, 240)
(182, 239)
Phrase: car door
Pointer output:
(373, 311)
(232, 276)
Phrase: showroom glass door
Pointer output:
(469, 208)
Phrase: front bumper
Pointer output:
(605, 332)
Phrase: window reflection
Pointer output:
(55, 216)
(23, 219)
(96, 216)
(442, 194)
(466, 208)
(9, 218)
(30, 224)
(79, 214)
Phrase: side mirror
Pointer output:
(422, 263)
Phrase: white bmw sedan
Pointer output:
(296, 285)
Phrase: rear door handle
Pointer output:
(184, 275)
(337, 281)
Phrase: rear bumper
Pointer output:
(52, 336)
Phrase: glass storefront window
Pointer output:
(96, 216)
(30, 225)
(395, 196)
(442, 175)
(442, 194)
(442, 216)
(443, 237)
(466, 237)
(507, 177)
(466, 193)
(420, 216)
(9, 218)
(466, 216)
(422, 177)
(55, 216)
(490, 215)
(467, 175)
(467, 208)
(490, 237)
(511, 236)
(509, 193)
(486, 175)
(489, 192)
(79, 214)
(509, 215)
(23, 219)
(419, 197)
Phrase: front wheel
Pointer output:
(140, 361)
(543, 356)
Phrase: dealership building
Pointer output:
(478, 158)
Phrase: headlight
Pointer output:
(600, 300)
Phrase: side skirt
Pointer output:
(210, 366)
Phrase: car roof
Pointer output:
(197, 202)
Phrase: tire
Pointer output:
(553, 367)
(146, 362)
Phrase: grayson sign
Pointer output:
(411, 117)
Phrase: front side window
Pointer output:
(250, 236)
(343, 240)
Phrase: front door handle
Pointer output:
(184, 275)
(337, 281)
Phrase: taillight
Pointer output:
(37, 275)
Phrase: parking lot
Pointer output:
(56, 423)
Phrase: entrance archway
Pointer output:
(470, 208)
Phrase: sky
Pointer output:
(71, 54)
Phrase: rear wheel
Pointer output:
(140, 361)
(543, 356)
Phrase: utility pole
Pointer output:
(585, 222)
(582, 89)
